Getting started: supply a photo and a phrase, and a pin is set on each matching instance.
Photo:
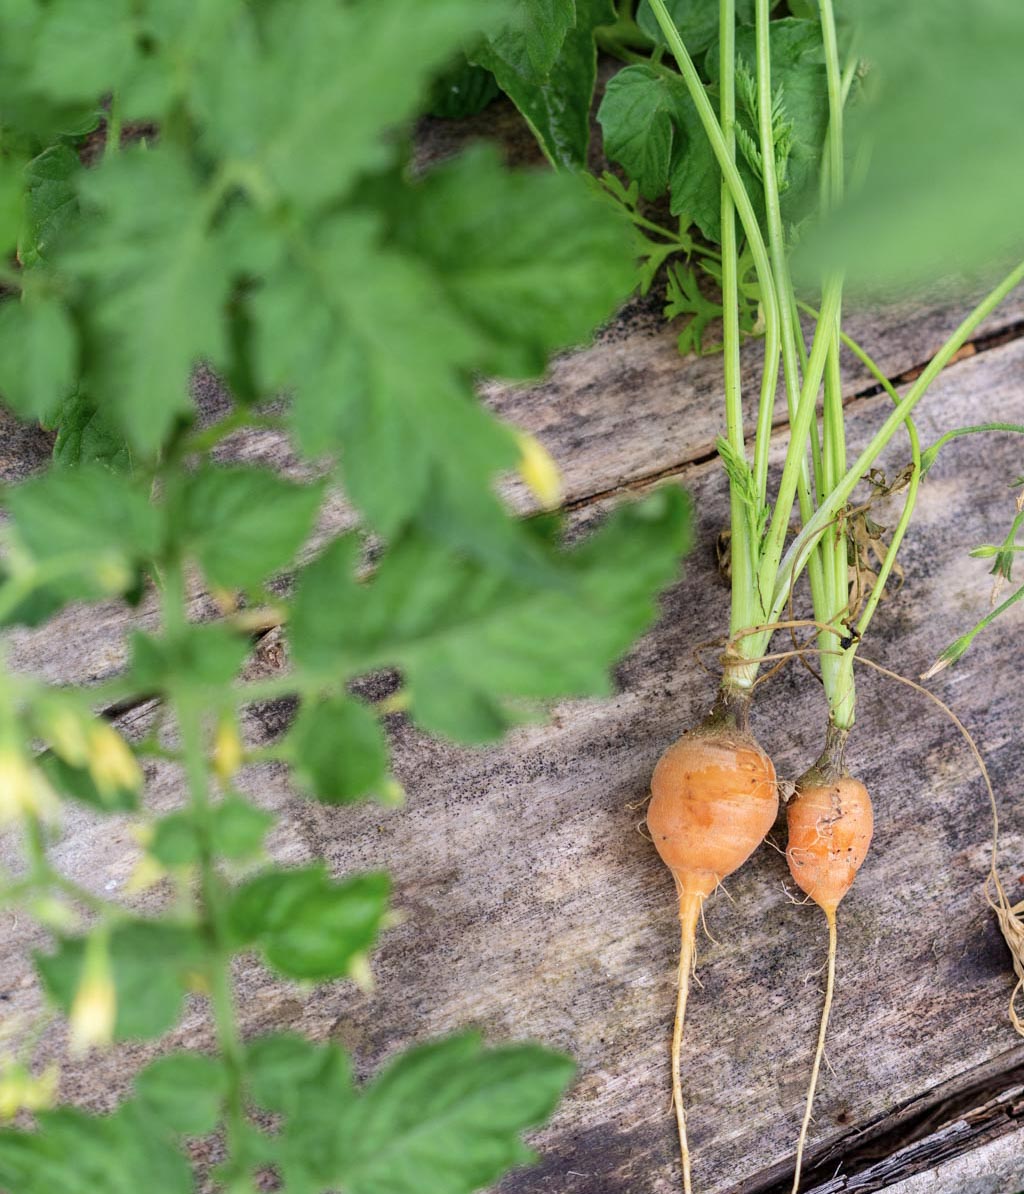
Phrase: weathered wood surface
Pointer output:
(533, 905)
(535, 908)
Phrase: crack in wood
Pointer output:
(922, 1133)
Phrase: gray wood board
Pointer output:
(535, 908)
(622, 411)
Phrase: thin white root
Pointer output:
(689, 910)
(820, 1051)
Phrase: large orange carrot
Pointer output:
(713, 799)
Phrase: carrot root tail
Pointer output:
(819, 1052)
(689, 911)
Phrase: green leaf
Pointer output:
(533, 34)
(84, 48)
(444, 1118)
(92, 526)
(322, 74)
(555, 99)
(175, 840)
(447, 1117)
(474, 643)
(532, 260)
(51, 201)
(243, 524)
(78, 783)
(150, 961)
(184, 1091)
(694, 178)
(86, 435)
(306, 926)
(38, 350)
(155, 286)
(381, 363)
(380, 339)
(77, 1153)
(205, 655)
(462, 90)
(284, 1069)
(798, 71)
(944, 185)
(696, 20)
(637, 117)
(239, 828)
(337, 749)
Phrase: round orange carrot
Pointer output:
(830, 825)
(713, 799)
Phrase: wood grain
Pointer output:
(535, 908)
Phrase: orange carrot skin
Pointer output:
(830, 827)
(713, 799)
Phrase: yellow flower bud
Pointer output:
(24, 790)
(360, 973)
(94, 1009)
(226, 600)
(20, 1091)
(112, 765)
(66, 728)
(392, 793)
(227, 748)
(197, 981)
(146, 873)
(112, 573)
(539, 471)
(53, 914)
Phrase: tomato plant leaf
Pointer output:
(183, 1091)
(245, 523)
(205, 655)
(150, 962)
(86, 435)
(637, 119)
(156, 282)
(696, 20)
(238, 827)
(553, 93)
(444, 1117)
(337, 749)
(38, 354)
(532, 261)
(51, 200)
(77, 1153)
(92, 527)
(349, 72)
(470, 640)
(306, 926)
(448, 1115)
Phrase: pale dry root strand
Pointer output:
(819, 1052)
(714, 797)
(689, 910)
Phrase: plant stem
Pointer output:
(189, 714)
(795, 559)
(751, 229)
(743, 548)
(780, 268)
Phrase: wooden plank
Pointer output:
(626, 409)
(995, 1168)
(534, 908)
